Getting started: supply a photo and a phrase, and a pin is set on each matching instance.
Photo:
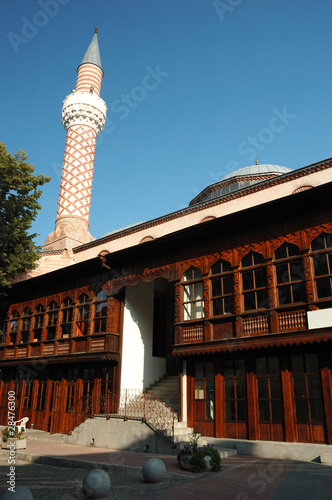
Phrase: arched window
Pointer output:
(222, 288)
(100, 312)
(52, 317)
(26, 322)
(193, 303)
(67, 317)
(13, 329)
(82, 315)
(38, 323)
(254, 286)
(289, 274)
(321, 248)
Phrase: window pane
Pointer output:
(318, 243)
(311, 362)
(249, 301)
(248, 280)
(241, 411)
(264, 411)
(282, 273)
(230, 410)
(199, 370)
(188, 293)
(262, 299)
(199, 389)
(216, 268)
(240, 369)
(300, 387)
(247, 260)
(299, 294)
(209, 409)
(199, 309)
(198, 291)
(302, 414)
(216, 287)
(229, 389)
(260, 278)
(296, 270)
(196, 273)
(217, 307)
(314, 387)
(209, 387)
(261, 366)
(241, 389)
(297, 364)
(275, 388)
(188, 311)
(228, 305)
(228, 284)
(316, 410)
(209, 369)
(274, 368)
(281, 252)
(262, 388)
(323, 286)
(320, 265)
(284, 295)
(277, 411)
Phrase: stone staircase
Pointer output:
(167, 390)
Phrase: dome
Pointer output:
(240, 179)
(258, 170)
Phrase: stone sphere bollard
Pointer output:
(96, 484)
(154, 470)
(21, 493)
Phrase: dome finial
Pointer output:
(257, 161)
(96, 30)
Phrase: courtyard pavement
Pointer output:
(54, 471)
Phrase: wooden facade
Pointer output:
(239, 289)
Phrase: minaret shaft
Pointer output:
(83, 116)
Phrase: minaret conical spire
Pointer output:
(83, 116)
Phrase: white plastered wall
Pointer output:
(139, 368)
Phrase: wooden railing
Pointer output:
(92, 343)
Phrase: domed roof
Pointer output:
(258, 170)
(240, 179)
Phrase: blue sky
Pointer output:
(237, 79)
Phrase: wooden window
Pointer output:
(322, 263)
(26, 322)
(204, 398)
(307, 389)
(83, 310)
(254, 286)
(13, 327)
(38, 323)
(41, 393)
(193, 303)
(222, 288)
(235, 390)
(100, 312)
(269, 390)
(27, 396)
(289, 274)
(67, 317)
(52, 318)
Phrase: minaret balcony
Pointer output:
(84, 108)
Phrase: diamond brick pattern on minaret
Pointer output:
(83, 116)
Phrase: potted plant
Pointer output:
(10, 436)
(196, 458)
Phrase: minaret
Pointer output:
(83, 116)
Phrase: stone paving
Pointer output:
(58, 483)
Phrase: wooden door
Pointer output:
(235, 399)
(54, 421)
(310, 424)
(204, 398)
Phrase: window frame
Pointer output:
(220, 277)
(288, 287)
(254, 268)
(196, 304)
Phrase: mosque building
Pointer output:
(228, 300)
